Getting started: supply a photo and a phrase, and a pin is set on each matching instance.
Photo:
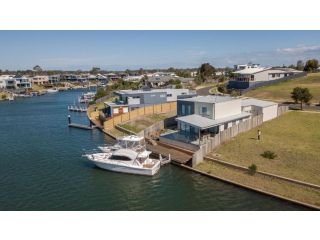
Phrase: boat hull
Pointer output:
(127, 169)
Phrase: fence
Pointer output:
(131, 115)
(282, 109)
(247, 86)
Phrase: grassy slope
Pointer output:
(279, 187)
(294, 137)
(281, 92)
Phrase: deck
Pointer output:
(177, 156)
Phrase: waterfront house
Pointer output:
(131, 99)
(22, 82)
(54, 79)
(40, 80)
(208, 115)
(7, 82)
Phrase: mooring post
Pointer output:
(69, 119)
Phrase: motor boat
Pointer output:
(52, 90)
(126, 160)
(133, 142)
(87, 97)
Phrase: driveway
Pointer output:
(204, 91)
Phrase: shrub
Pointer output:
(252, 169)
(269, 155)
(3, 96)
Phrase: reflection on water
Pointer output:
(42, 168)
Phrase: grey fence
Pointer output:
(247, 86)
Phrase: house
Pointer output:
(246, 66)
(131, 99)
(54, 79)
(159, 81)
(256, 75)
(269, 110)
(22, 82)
(7, 82)
(40, 80)
(209, 114)
(133, 78)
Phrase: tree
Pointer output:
(206, 71)
(37, 68)
(300, 65)
(95, 70)
(141, 71)
(311, 65)
(301, 95)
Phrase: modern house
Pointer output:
(132, 99)
(54, 79)
(40, 80)
(256, 76)
(208, 115)
(22, 82)
(159, 81)
(7, 82)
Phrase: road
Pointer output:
(204, 91)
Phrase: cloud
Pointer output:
(300, 49)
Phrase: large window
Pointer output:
(204, 111)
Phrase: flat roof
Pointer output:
(256, 102)
(204, 123)
(210, 99)
(151, 90)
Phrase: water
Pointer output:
(41, 168)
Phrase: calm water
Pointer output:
(41, 168)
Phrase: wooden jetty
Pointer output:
(178, 156)
(77, 109)
(81, 126)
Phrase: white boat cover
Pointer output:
(125, 152)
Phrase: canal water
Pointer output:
(42, 168)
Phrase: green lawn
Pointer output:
(281, 92)
(294, 137)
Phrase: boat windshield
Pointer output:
(131, 144)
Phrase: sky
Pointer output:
(120, 50)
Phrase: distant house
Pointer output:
(40, 80)
(159, 81)
(7, 82)
(54, 79)
(133, 78)
(22, 82)
(255, 75)
(132, 99)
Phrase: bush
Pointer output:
(252, 169)
(269, 155)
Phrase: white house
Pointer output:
(54, 79)
(7, 82)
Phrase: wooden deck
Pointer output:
(177, 156)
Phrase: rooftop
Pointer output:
(150, 90)
(204, 123)
(251, 70)
(210, 99)
(256, 102)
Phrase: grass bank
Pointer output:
(264, 183)
(294, 138)
(280, 92)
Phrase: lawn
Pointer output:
(294, 137)
(280, 92)
(139, 124)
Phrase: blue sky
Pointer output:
(119, 50)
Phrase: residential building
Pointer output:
(209, 114)
(40, 80)
(132, 99)
(160, 81)
(246, 66)
(133, 78)
(7, 82)
(54, 79)
(22, 82)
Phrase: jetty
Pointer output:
(77, 109)
(81, 126)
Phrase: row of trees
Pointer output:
(311, 65)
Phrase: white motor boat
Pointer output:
(126, 161)
(132, 142)
(52, 90)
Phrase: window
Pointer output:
(204, 111)
(183, 109)
(169, 95)
(189, 110)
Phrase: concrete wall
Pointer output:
(270, 112)
(226, 109)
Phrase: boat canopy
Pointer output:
(128, 153)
